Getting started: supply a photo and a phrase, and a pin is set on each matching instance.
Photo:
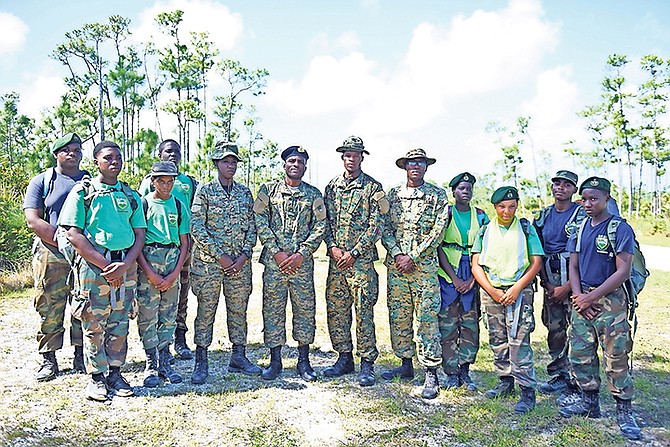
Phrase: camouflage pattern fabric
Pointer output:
(104, 320)
(184, 288)
(512, 356)
(414, 227)
(156, 318)
(460, 334)
(556, 318)
(52, 292)
(290, 220)
(207, 281)
(612, 331)
(355, 220)
(222, 223)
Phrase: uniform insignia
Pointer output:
(261, 202)
(172, 219)
(185, 187)
(601, 242)
(319, 209)
(121, 203)
(466, 177)
(382, 201)
(300, 149)
(594, 182)
(509, 194)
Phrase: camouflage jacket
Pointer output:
(289, 220)
(415, 224)
(355, 210)
(222, 223)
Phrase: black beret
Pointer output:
(596, 183)
(294, 150)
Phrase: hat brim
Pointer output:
(225, 154)
(161, 174)
(402, 161)
(351, 149)
(558, 177)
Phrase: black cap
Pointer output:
(294, 150)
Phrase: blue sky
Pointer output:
(401, 75)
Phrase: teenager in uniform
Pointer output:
(507, 255)
(105, 224)
(184, 190)
(460, 311)
(598, 271)
(165, 250)
(42, 205)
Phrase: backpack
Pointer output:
(194, 185)
(480, 215)
(575, 220)
(49, 180)
(525, 226)
(145, 207)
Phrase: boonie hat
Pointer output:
(413, 154)
(294, 150)
(353, 144)
(68, 138)
(222, 149)
(504, 193)
(163, 168)
(596, 183)
(566, 175)
(462, 177)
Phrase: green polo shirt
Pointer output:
(163, 226)
(182, 189)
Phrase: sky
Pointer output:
(400, 75)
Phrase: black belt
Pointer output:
(117, 255)
(157, 245)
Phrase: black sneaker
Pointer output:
(117, 383)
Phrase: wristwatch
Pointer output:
(355, 253)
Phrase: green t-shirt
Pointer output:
(533, 241)
(462, 221)
(110, 219)
(163, 225)
(182, 189)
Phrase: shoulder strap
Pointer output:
(194, 184)
(47, 181)
(541, 218)
(145, 205)
(580, 229)
(178, 205)
(525, 226)
(128, 191)
(611, 232)
(450, 215)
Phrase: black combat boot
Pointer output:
(569, 396)
(464, 375)
(343, 365)
(367, 375)
(116, 382)
(97, 388)
(151, 379)
(526, 401)
(453, 381)
(78, 365)
(555, 385)
(180, 347)
(431, 386)
(588, 405)
(304, 368)
(275, 368)
(239, 363)
(404, 371)
(165, 370)
(201, 368)
(504, 388)
(48, 368)
(626, 420)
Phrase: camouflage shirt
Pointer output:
(222, 222)
(292, 220)
(415, 223)
(355, 210)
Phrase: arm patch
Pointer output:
(261, 202)
(319, 209)
(382, 201)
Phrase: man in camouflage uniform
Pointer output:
(222, 227)
(184, 190)
(416, 221)
(355, 205)
(291, 223)
(599, 267)
(42, 205)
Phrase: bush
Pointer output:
(15, 237)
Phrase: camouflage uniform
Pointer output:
(459, 330)
(355, 222)
(221, 224)
(556, 318)
(292, 220)
(416, 221)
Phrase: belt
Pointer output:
(157, 245)
(117, 255)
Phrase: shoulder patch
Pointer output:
(262, 202)
(319, 209)
(382, 201)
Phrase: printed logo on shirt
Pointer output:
(570, 229)
(185, 187)
(601, 243)
(172, 219)
(121, 202)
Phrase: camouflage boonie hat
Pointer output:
(596, 183)
(413, 154)
(504, 193)
(163, 168)
(222, 149)
(68, 138)
(353, 144)
(462, 177)
(564, 174)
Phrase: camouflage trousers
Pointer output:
(512, 356)
(184, 288)
(277, 287)
(207, 280)
(157, 313)
(52, 292)
(460, 334)
(612, 331)
(411, 297)
(556, 318)
(103, 313)
(357, 287)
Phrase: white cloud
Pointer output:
(224, 27)
(13, 32)
(39, 92)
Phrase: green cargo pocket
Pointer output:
(81, 304)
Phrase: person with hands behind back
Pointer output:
(507, 255)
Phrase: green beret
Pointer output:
(504, 193)
(596, 183)
(462, 177)
(565, 175)
(68, 138)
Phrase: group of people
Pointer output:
(445, 264)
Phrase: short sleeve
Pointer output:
(33, 199)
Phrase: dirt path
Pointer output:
(657, 258)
